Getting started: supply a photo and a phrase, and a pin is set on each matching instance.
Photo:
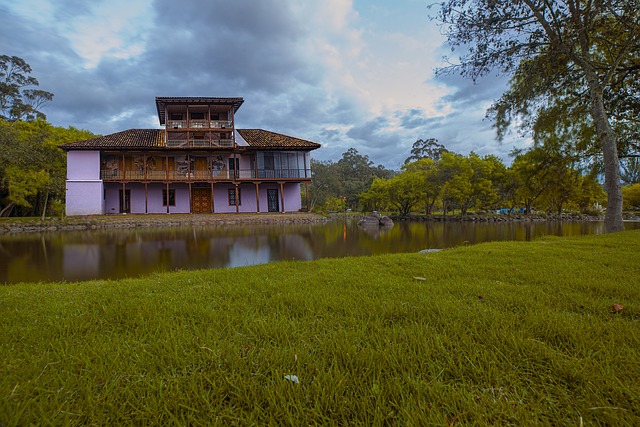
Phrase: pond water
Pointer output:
(112, 254)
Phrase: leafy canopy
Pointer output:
(18, 101)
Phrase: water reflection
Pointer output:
(55, 256)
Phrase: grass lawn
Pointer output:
(493, 334)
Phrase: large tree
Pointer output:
(583, 53)
(33, 167)
(18, 99)
(346, 178)
(426, 149)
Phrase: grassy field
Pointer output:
(493, 334)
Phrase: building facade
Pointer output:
(199, 163)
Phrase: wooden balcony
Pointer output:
(200, 143)
(199, 124)
(206, 175)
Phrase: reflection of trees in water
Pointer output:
(121, 253)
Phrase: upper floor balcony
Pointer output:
(208, 175)
(199, 143)
(199, 124)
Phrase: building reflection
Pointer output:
(73, 256)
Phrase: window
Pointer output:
(172, 197)
(232, 197)
(197, 116)
(176, 116)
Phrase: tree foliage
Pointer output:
(631, 196)
(18, 100)
(32, 166)
(426, 149)
(347, 178)
(537, 179)
(574, 68)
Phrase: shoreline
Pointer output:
(129, 221)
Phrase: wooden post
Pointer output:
(236, 199)
(213, 204)
(306, 193)
(166, 175)
(257, 198)
(123, 197)
(146, 183)
(282, 195)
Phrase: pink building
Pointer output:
(199, 163)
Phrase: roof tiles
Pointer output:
(154, 139)
(132, 138)
(261, 139)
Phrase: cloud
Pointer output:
(340, 73)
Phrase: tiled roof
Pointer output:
(261, 139)
(154, 139)
(132, 138)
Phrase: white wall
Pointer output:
(83, 165)
(84, 198)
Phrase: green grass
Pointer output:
(499, 333)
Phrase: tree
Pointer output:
(348, 177)
(377, 196)
(630, 173)
(426, 149)
(572, 51)
(530, 170)
(430, 181)
(17, 100)
(403, 192)
(632, 196)
(565, 187)
(32, 166)
(456, 176)
(325, 183)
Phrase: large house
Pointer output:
(199, 163)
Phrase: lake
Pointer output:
(113, 254)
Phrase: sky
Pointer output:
(343, 73)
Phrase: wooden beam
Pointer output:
(236, 199)
(306, 193)
(213, 205)
(257, 197)
(282, 196)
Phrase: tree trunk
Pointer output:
(44, 208)
(6, 211)
(608, 139)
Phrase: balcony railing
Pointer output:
(199, 143)
(221, 124)
(199, 124)
(176, 124)
(205, 175)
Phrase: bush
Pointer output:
(631, 197)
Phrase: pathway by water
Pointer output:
(56, 256)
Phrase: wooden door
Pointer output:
(201, 200)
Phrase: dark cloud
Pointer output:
(243, 44)
(259, 50)
(467, 93)
(413, 118)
